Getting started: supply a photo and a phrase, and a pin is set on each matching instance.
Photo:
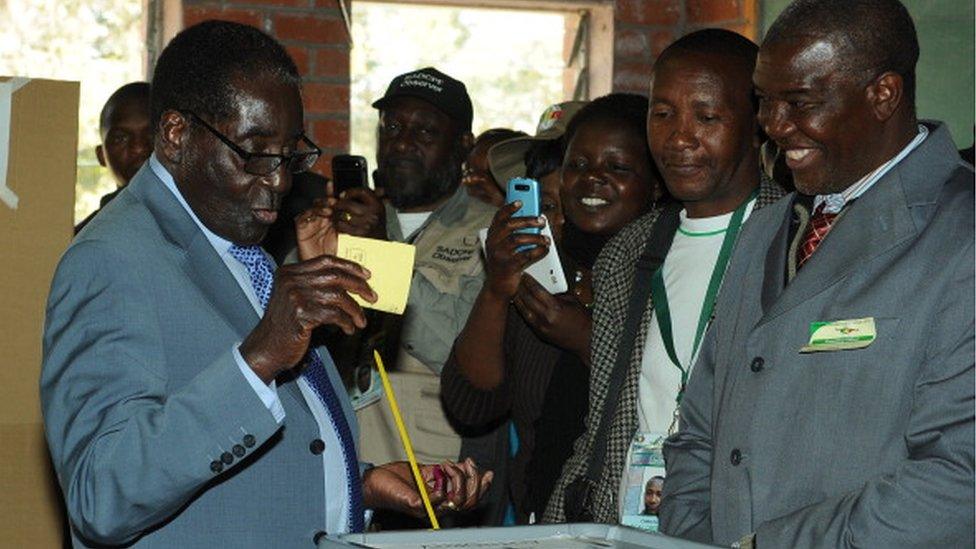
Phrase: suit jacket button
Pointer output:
(227, 458)
(249, 441)
(317, 446)
(736, 457)
(238, 450)
(216, 466)
(757, 364)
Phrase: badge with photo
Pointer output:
(643, 482)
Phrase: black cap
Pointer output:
(438, 89)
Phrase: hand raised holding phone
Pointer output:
(358, 210)
(526, 192)
(509, 251)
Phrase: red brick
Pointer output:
(747, 29)
(300, 56)
(273, 3)
(331, 134)
(332, 62)
(304, 28)
(324, 165)
(632, 77)
(632, 43)
(326, 98)
(195, 14)
(649, 12)
(711, 11)
(659, 41)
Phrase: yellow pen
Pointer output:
(405, 439)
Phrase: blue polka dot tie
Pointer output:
(261, 271)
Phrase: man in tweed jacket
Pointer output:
(703, 135)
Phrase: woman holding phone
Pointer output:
(519, 339)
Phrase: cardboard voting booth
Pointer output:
(38, 152)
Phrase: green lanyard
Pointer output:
(660, 295)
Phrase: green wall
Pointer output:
(945, 67)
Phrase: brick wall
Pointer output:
(315, 35)
(643, 28)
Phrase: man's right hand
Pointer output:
(306, 295)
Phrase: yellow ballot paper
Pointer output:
(391, 264)
(839, 335)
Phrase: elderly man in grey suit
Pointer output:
(183, 403)
(832, 405)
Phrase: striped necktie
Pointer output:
(820, 225)
(261, 271)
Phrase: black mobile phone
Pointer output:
(348, 172)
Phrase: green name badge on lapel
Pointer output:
(840, 335)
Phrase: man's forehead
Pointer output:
(129, 112)
(265, 107)
(702, 75)
(414, 107)
(804, 55)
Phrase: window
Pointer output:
(515, 63)
(100, 43)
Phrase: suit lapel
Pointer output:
(200, 261)
(873, 224)
(210, 274)
(775, 265)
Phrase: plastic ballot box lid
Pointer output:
(548, 536)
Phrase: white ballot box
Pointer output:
(548, 536)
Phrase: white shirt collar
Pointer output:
(220, 244)
(834, 203)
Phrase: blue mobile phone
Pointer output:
(527, 191)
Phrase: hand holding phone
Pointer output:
(547, 270)
(357, 209)
(527, 192)
(349, 171)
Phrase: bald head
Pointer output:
(871, 36)
(730, 53)
(717, 43)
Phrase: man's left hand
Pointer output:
(458, 487)
(360, 212)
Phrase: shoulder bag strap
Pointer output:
(658, 245)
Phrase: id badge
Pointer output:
(643, 482)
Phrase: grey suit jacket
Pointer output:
(870, 447)
(613, 285)
(140, 393)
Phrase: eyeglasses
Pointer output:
(267, 163)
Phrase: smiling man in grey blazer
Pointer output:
(183, 403)
(832, 405)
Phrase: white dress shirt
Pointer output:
(834, 203)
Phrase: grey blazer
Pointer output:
(862, 448)
(141, 394)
